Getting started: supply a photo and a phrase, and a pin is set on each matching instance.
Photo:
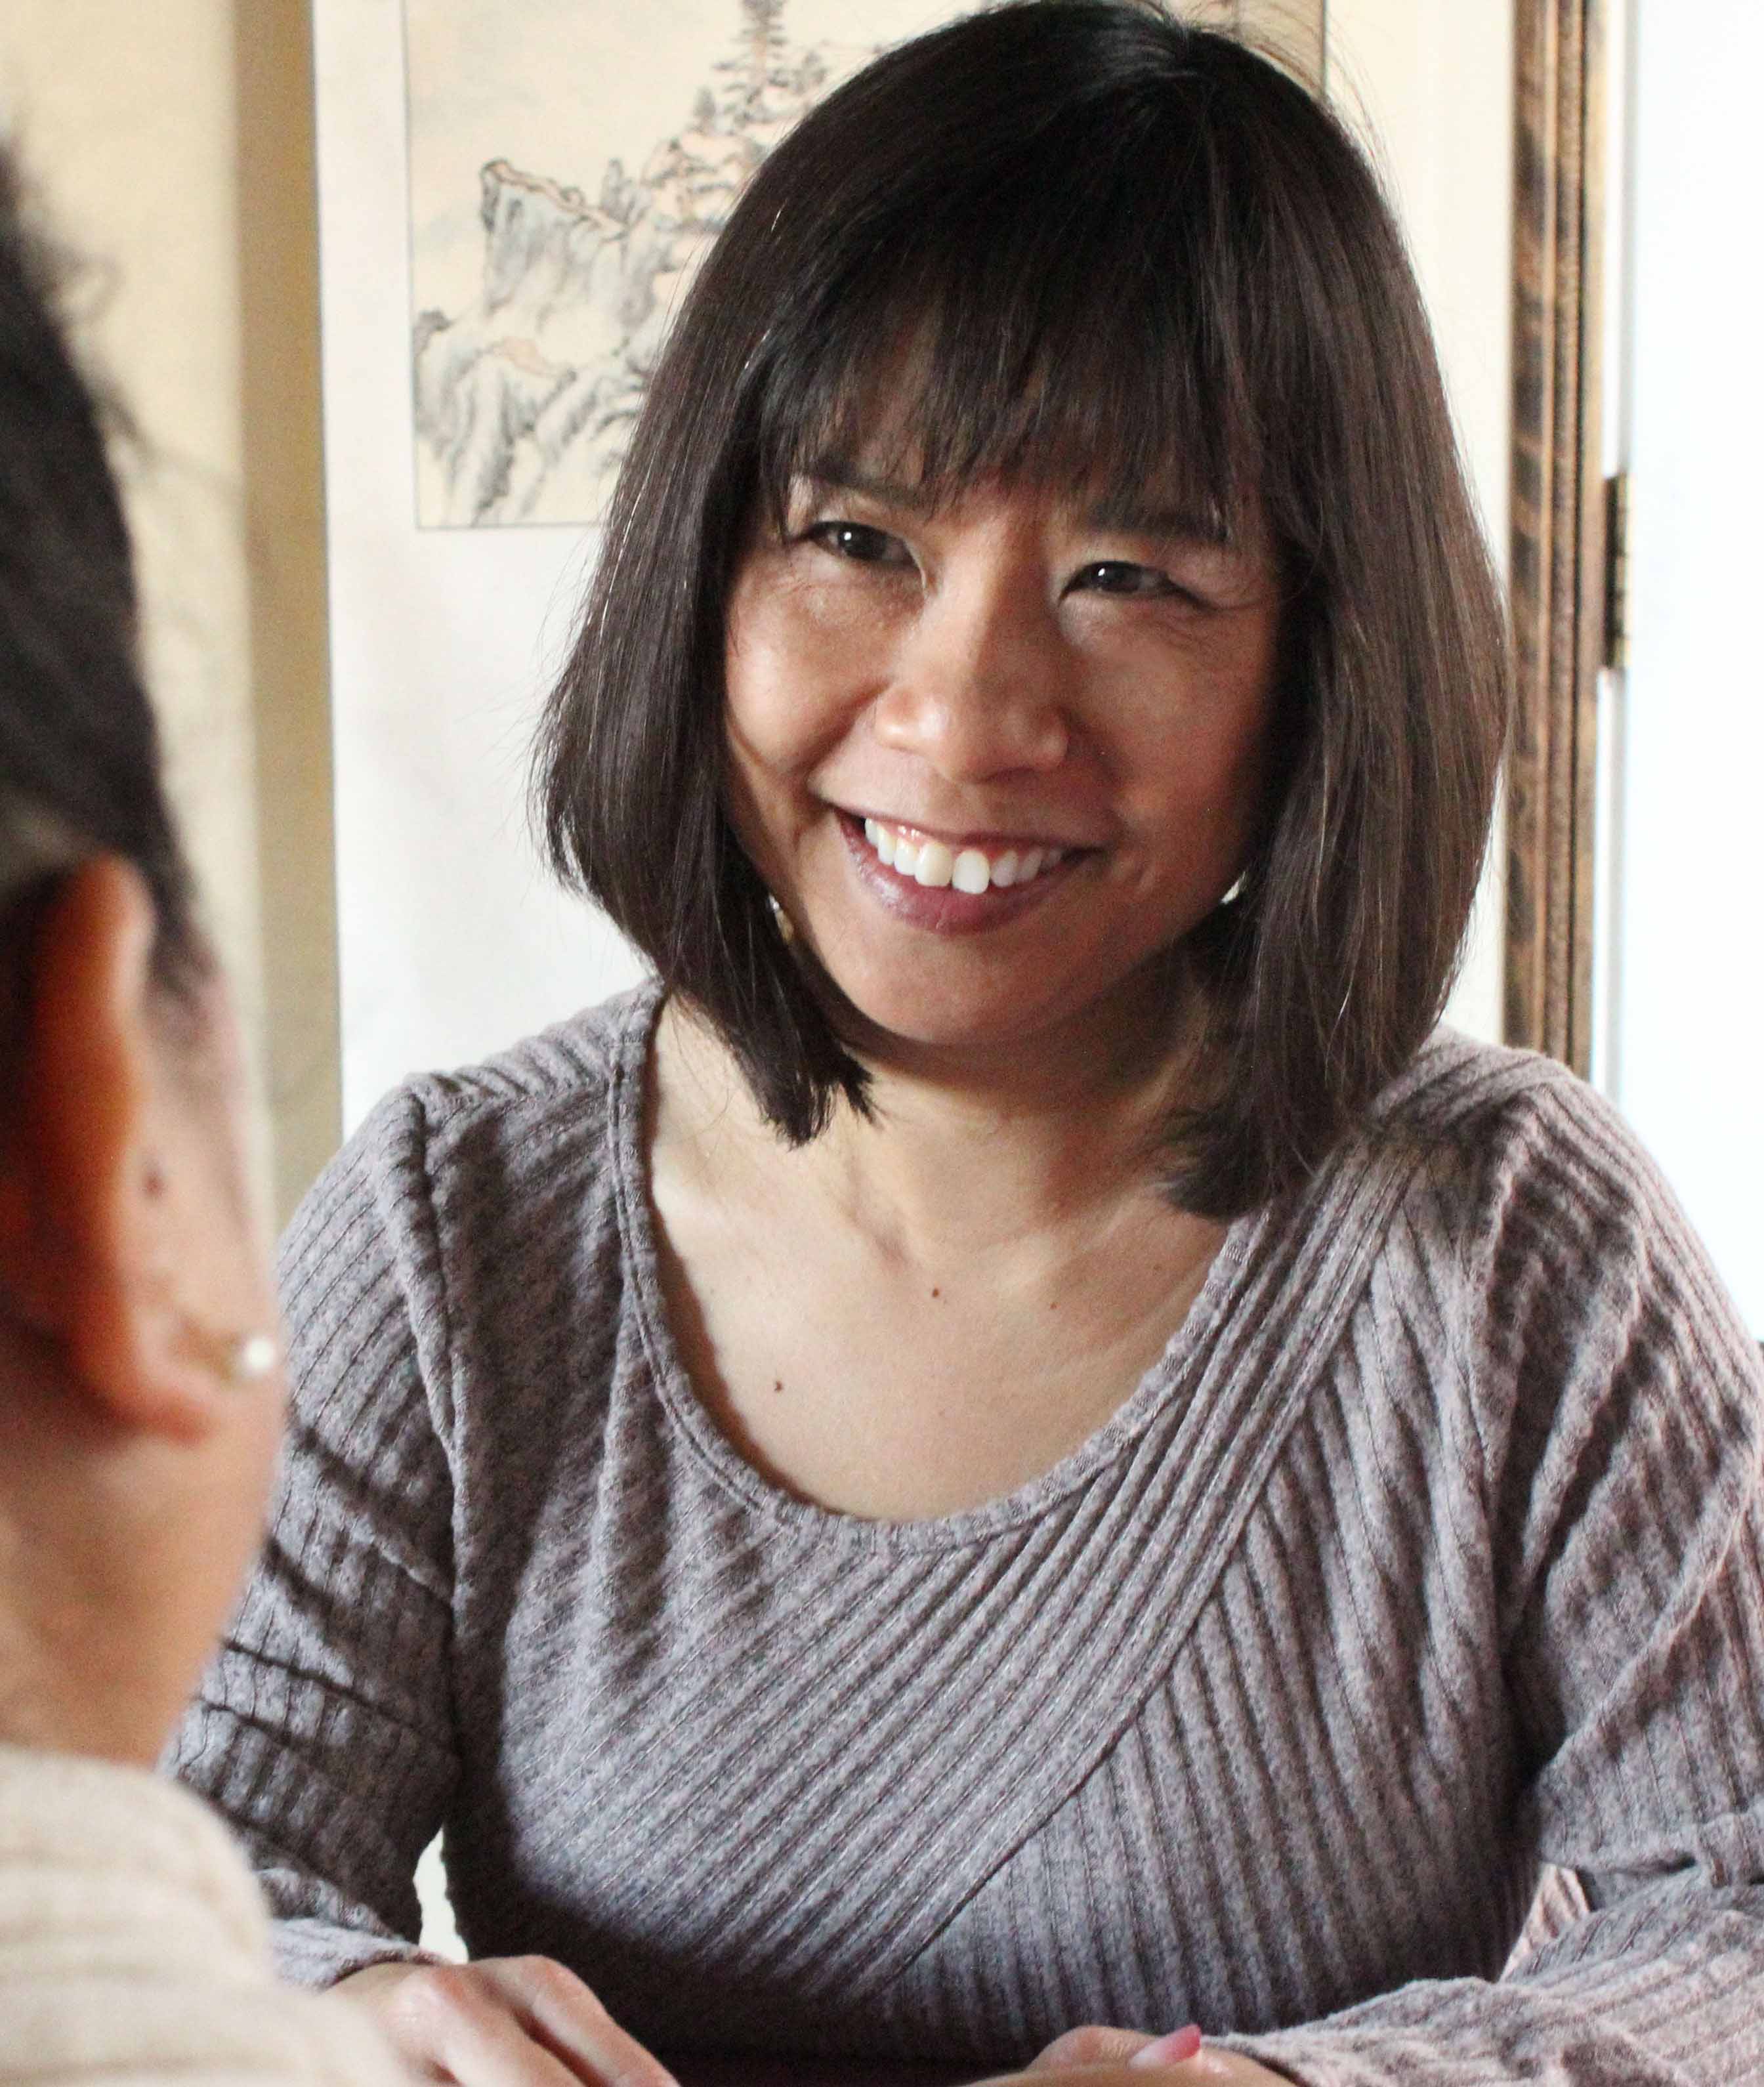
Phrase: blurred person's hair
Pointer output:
(79, 754)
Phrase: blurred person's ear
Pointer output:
(107, 1173)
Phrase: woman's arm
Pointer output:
(1616, 1512)
(1619, 1404)
(323, 1731)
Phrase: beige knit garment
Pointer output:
(134, 1945)
(1428, 1555)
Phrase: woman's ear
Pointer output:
(89, 1220)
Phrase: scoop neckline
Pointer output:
(1179, 1364)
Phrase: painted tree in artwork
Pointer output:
(759, 63)
(526, 397)
(765, 30)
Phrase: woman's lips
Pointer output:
(939, 885)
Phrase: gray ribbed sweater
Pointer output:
(1427, 1553)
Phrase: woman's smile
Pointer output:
(955, 886)
(993, 754)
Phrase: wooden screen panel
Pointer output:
(1558, 523)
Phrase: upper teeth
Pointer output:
(970, 869)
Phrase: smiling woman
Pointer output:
(918, 698)
(1012, 1443)
(1196, 305)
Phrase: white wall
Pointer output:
(1430, 83)
(1686, 985)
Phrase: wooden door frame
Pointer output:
(282, 425)
(1559, 521)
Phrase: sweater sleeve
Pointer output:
(133, 1945)
(324, 1731)
(1622, 1414)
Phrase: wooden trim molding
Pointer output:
(1558, 522)
(284, 519)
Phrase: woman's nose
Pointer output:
(979, 684)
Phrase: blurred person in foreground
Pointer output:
(141, 1383)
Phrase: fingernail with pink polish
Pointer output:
(1180, 2044)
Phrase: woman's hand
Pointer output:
(504, 2021)
(1180, 2057)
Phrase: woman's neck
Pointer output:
(961, 1150)
(926, 1307)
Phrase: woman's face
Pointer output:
(992, 758)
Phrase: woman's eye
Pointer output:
(858, 541)
(1120, 576)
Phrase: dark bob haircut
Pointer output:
(1121, 250)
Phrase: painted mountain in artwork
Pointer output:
(524, 399)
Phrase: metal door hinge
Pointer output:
(1617, 570)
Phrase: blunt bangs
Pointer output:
(982, 355)
(1080, 244)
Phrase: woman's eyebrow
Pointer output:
(1126, 513)
(1134, 518)
(835, 475)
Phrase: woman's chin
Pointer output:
(883, 1024)
(928, 1025)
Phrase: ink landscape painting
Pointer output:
(571, 162)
